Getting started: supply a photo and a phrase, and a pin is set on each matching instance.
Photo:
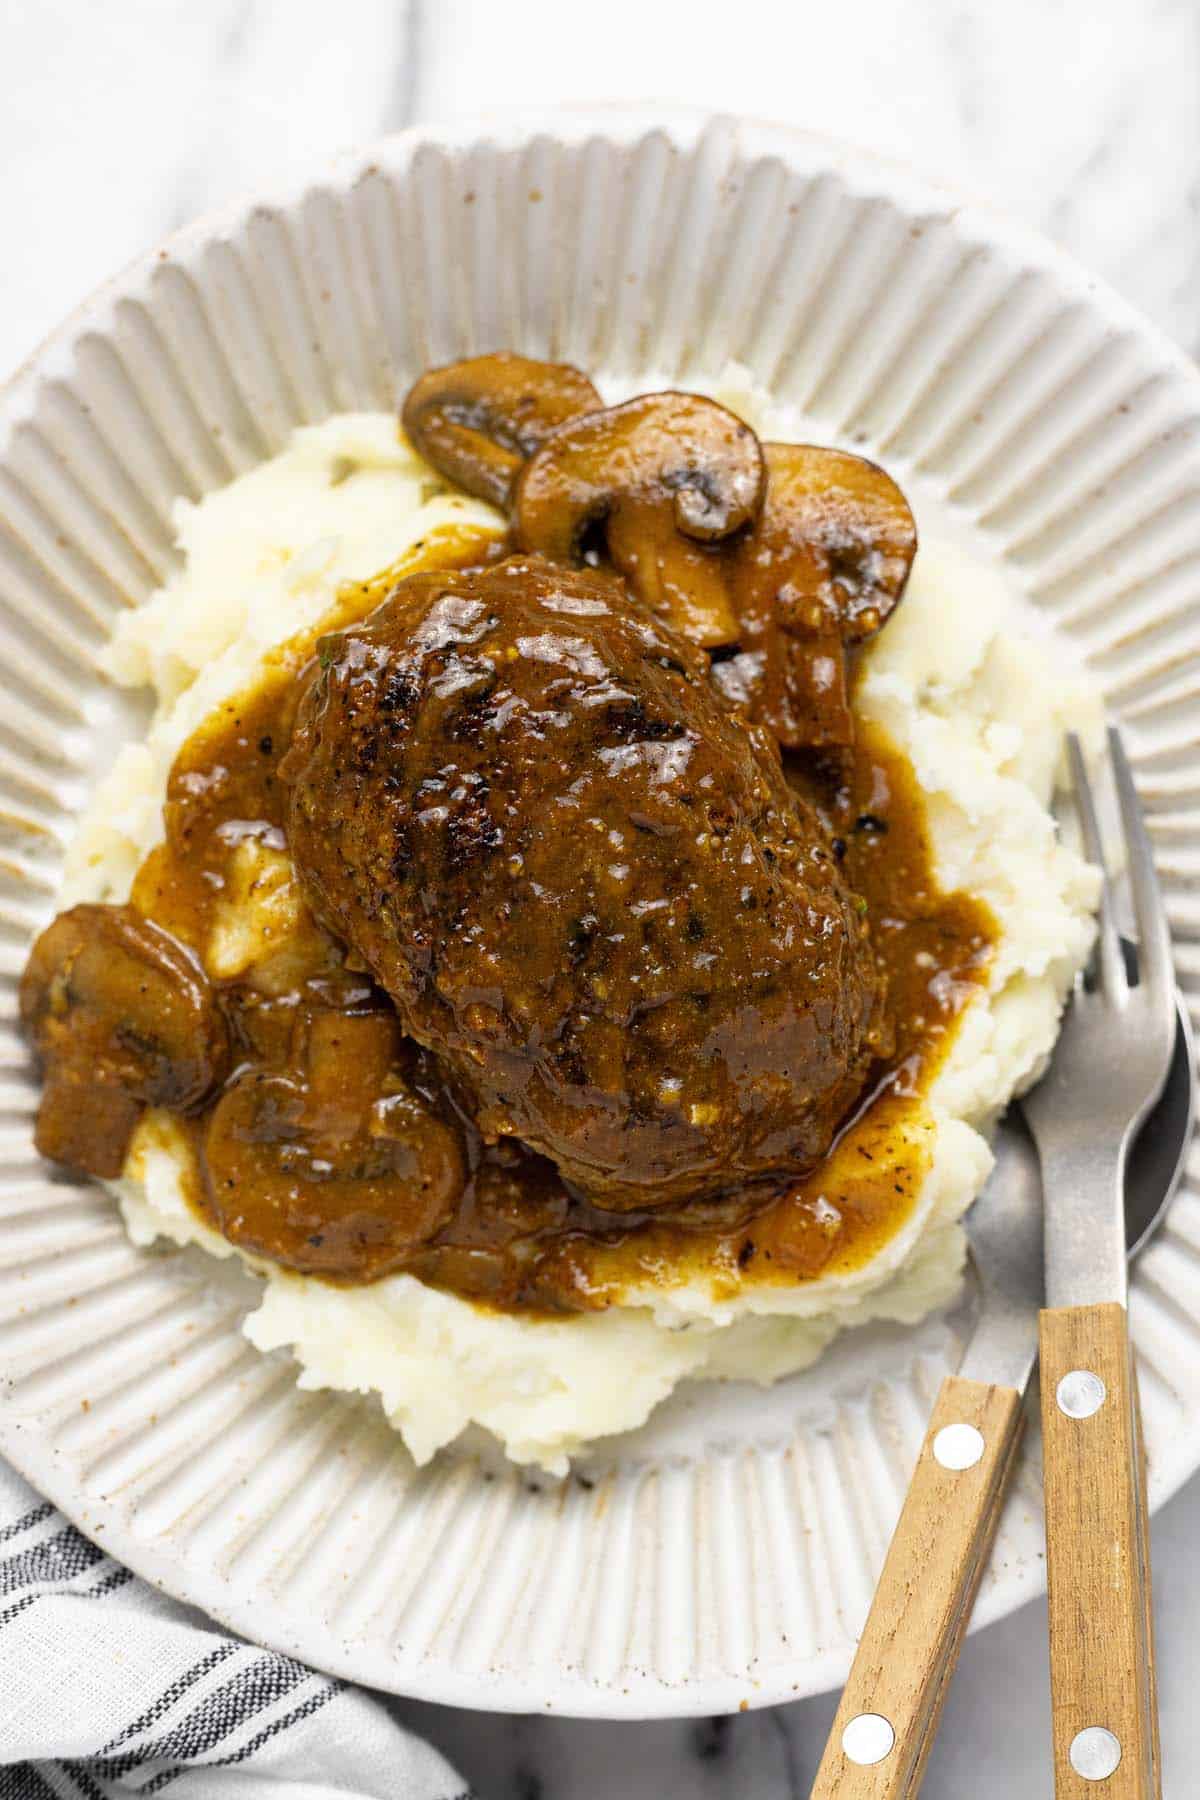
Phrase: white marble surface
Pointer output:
(120, 122)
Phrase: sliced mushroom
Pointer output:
(477, 421)
(122, 1018)
(798, 687)
(822, 570)
(682, 581)
(334, 1164)
(670, 476)
(517, 1199)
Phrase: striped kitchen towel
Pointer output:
(107, 1688)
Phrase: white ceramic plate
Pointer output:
(725, 1554)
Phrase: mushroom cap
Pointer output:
(821, 571)
(676, 450)
(672, 477)
(123, 1017)
(477, 420)
(836, 533)
(334, 1164)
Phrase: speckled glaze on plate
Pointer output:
(724, 1554)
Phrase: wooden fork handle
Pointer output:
(1102, 1677)
(911, 1640)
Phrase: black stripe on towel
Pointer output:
(325, 1693)
(27, 1522)
(114, 1579)
(59, 1558)
(21, 1781)
(170, 1695)
(83, 1781)
(267, 1680)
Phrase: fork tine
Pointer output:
(1111, 962)
(1154, 935)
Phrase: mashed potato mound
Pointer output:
(978, 710)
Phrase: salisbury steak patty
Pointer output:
(584, 882)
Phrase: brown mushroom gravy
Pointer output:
(513, 1235)
(321, 1136)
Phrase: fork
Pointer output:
(1109, 1068)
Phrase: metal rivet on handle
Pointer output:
(1080, 1394)
(867, 1739)
(958, 1446)
(1095, 1753)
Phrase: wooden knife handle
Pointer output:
(1102, 1679)
(910, 1643)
